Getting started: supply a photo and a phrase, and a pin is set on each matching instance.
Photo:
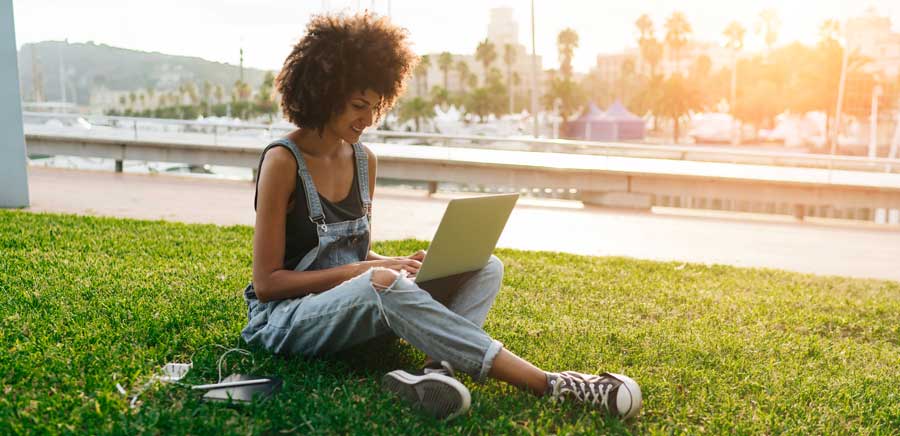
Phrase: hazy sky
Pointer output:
(215, 29)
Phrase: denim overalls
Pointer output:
(354, 311)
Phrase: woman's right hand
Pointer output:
(411, 266)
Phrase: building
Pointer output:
(610, 67)
(502, 30)
(871, 36)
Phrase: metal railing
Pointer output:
(663, 151)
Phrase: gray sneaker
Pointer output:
(433, 390)
(614, 394)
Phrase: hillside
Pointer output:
(91, 66)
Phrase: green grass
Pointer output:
(86, 303)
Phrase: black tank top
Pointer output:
(300, 233)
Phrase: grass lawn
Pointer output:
(86, 303)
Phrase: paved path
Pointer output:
(858, 250)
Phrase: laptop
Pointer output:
(466, 236)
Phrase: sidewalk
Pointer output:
(856, 250)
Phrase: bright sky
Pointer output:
(215, 29)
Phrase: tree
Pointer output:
(569, 95)
(207, 94)
(462, 68)
(265, 98)
(486, 54)
(677, 31)
(566, 43)
(425, 64)
(768, 26)
(421, 73)
(445, 62)
(678, 99)
(416, 109)
(151, 94)
(509, 58)
(440, 96)
(219, 93)
(651, 49)
(734, 35)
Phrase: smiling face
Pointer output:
(359, 113)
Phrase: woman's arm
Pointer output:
(277, 179)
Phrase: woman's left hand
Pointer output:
(419, 255)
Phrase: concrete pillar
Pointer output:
(13, 171)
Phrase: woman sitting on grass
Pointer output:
(317, 286)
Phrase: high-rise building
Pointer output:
(503, 28)
(503, 31)
(870, 35)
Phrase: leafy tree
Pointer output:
(416, 109)
(677, 31)
(569, 94)
(566, 43)
(679, 97)
(440, 96)
(486, 54)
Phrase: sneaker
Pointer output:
(433, 390)
(615, 394)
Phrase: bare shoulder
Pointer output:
(278, 173)
(279, 158)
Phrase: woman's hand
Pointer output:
(411, 266)
(419, 255)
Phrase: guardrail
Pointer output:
(602, 180)
(220, 130)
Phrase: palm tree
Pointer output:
(462, 68)
(486, 54)
(734, 34)
(207, 94)
(425, 65)
(677, 31)
(768, 26)
(151, 94)
(416, 109)
(566, 43)
(509, 58)
(219, 94)
(678, 98)
(651, 49)
(445, 62)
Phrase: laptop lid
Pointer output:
(466, 236)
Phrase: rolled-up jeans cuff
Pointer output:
(488, 361)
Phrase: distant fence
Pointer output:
(613, 181)
(219, 133)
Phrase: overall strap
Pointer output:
(362, 172)
(316, 215)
